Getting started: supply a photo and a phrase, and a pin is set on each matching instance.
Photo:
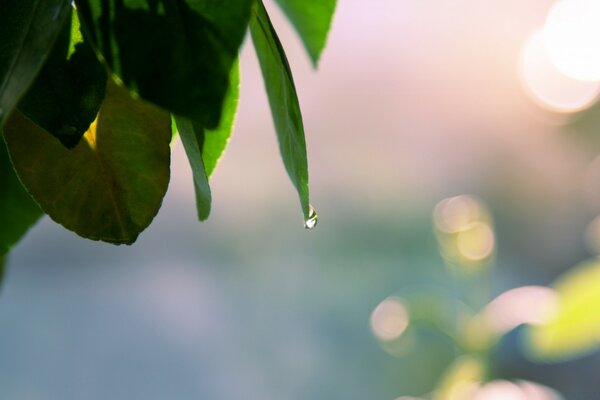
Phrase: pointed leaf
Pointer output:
(28, 29)
(18, 211)
(111, 185)
(174, 53)
(192, 136)
(312, 20)
(66, 95)
(215, 140)
(574, 330)
(204, 147)
(283, 101)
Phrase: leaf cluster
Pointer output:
(91, 92)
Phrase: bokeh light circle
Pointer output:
(572, 38)
(547, 85)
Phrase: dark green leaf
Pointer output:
(312, 19)
(175, 53)
(18, 211)
(67, 94)
(283, 100)
(28, 29)
(215, 141)
(111, 185)
(191, 134)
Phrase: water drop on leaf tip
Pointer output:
(312, 219)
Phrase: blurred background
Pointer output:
(452, 151)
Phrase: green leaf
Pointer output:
(283, 101)
(111, 185)
(18, 211)
(28, 29)
(174, 53)
(574, 329)
(215, 140)
(191, 134)
(67, 94)
(312, 20)
(205, 147)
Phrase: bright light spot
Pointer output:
(477, 242)
(505, 390)
(572, 38)
(456, 213)
(547, 86)
(389, 319)
(527, 304)
(535, 391)
(90, 134)
(499, 390)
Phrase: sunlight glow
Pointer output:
(477, 242)
(547, 85)
(572, 38)
(455, 214)
(527, 304)
(389, 319)
(535, 391)
(522, 390)
(90, 134)
(499, 390)
(464, 231)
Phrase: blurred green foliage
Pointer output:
(560, 320)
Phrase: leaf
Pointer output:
(204, 147)
(283, 101)
(174, 53)
(215, 141)
(312, 20)
(28, 29)
(111, 185)
(67, 94)
(191, 136)
(574, 330)
(18, 211)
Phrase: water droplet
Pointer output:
(312, 220)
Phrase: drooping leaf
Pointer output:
(28, 29)
(18, 211)
(174, 53)
(312, 20)
(283, 101)
(215, 140)
(191, 134)
(66, 95)
(575, 328)
(204, 147)
(111, 185)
